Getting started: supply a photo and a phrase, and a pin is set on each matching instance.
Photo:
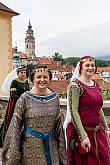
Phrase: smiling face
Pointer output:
(88, 68)
(41, 79)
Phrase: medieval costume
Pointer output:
(35, 135)
(85, 119)
(20, 87)
(89, 109)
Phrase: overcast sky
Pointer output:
(70, 27)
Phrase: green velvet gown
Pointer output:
(21, 87)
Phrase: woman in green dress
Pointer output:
(17, 87)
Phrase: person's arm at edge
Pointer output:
(13, 91)
(75, 92)
(103, 120)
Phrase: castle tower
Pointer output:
(30, 42)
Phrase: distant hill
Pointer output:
(104, 58)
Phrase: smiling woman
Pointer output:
(41, 79)
(37, 115)
(87, 131)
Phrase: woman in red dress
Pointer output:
(87, 132)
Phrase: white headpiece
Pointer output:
(68, 115)
(76, 72)
(7, 82)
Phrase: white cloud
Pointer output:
(93, 40)
(66, 26)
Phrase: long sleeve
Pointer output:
(14, 94)
(60, 138)
(104, 122)
(74, 96)
(20, 88)
(11, 147)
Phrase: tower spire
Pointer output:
(29, 26)
(30, 41)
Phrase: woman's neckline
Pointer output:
(41, 95)
(24, 81)
(90, 86)
(49, 92)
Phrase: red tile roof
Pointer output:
(70, 68)
(44, 61)
(103, 84)
(59, 86)
(59, 76)
(55, 65)
(22, 55)
(103, 69)
(96, 76)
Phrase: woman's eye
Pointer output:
(38, 77)
(93, 65)
(88, 65)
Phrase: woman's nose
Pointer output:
(42, 79)
(24, 74)
(90, 67)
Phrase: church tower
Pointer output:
(30, 42)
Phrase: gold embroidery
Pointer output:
(88, 59)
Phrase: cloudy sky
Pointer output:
(70, 27)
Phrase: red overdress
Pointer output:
(90, 104)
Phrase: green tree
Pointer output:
(106, 94)
(102, 63)
(29, 68)
(72, 61)
(58, 57)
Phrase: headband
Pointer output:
(20, 69)
(41, 70)
(88, 59)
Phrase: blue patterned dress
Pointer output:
(39, 113)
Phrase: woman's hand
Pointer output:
(12, 89)
(86, 144)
